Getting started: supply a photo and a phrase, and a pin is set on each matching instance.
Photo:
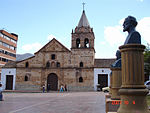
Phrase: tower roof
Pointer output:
(83, 21)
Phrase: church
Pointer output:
(55, 65)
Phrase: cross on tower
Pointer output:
(83, 5)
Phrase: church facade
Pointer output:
(55, 65)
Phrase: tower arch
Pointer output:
(78, 43)
(86, 43)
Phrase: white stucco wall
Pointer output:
(100, 71)
(8, 71)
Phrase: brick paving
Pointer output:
(70, 102)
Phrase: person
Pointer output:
(61, 88)
(1, 95)
(65, 87)
(48, 87)
(43, 88)
(133, 36)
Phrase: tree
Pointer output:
(147, 60)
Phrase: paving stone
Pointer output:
(70, 102)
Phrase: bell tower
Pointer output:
(83, 54)
(83, 36)
(83, 42)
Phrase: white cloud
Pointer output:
(50, 37)
(113, 35)
(34, 47)
(144, 28)
(31, 48)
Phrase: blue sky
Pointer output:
(37, 21)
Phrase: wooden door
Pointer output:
(103, 80)
(9, 82)
(52, 82)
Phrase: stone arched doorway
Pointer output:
(52, 82)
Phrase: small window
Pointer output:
(81, 64)
(27, 65)
(4, 59)
(58, 64)
(26, 78)
(48, 64)
(53, 57)
(2, 51)
(80, 79)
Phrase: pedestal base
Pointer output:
(133, 101)
(111, 105)
(115, 94)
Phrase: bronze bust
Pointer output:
(133, 36)
(117, 63)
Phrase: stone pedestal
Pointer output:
(112, 105)
(133, 92)
(116, 83)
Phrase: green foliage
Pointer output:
(147, 56)
(147, 60)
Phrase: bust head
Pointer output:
(117, 63)
(129, 22)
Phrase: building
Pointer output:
(102, 72)
(9, 75)
(8, 45)
(55, 65)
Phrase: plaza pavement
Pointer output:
(68, 102)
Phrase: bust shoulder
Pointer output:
(117, 63)
(134, 38)
(135, 33)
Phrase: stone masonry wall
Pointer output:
(68, 73)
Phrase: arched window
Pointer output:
(58, 64)
(81, 64)
(86, 43)
(27, 64)
(80, 79)
(26, 78)
(48, 64)
(53, 56)
(78, 43)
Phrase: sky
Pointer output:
(38, 21)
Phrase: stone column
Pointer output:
(116, 83)
(133, 92)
